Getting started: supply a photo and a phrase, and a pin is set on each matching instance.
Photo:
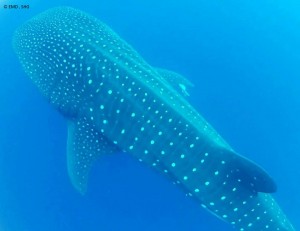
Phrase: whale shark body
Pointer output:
(115, 101)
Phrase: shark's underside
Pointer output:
(115, 101)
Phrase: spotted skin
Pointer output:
(115, 101)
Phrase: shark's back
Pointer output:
(93, 51)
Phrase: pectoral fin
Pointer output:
(85, 145)
(252, 176)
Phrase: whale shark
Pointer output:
(114, 101)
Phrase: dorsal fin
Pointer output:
(177, 81)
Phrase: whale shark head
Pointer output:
(58, 57)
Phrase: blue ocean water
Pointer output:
(243, 58)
